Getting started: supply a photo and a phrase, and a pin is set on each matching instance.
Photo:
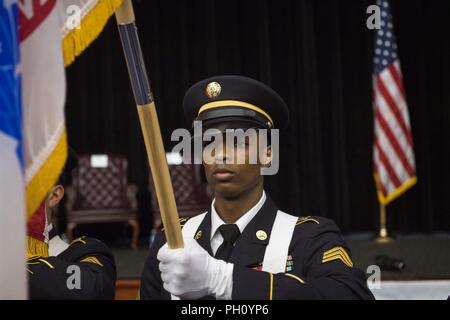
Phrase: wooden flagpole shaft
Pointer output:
(149, 124)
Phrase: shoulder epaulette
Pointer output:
(182, 222)
(302, 220)
(39, 260)
(34, 257)
(79, 240)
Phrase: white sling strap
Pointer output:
(277, 249)
(191, 226)
(188, 231)
(280, 238)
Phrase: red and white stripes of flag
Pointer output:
(394, 164)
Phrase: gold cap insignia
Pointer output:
(213, 90)
(198, 235)
(261, 235)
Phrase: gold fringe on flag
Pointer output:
(47, 176)
(386, 199)
(91, 25)
(36, 248)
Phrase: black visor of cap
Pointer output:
(230, 114)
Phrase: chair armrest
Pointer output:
(131, 196)
(71, 196)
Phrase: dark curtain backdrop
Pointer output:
(318, 55)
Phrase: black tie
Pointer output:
(230, 233)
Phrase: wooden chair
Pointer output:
(191, 193)
(102, 194)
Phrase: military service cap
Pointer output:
(235, 99)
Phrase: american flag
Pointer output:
(393, 153)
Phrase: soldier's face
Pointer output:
(231, 179)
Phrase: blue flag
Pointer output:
(12, 201)
(10, 82)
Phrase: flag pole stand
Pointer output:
(383, 235)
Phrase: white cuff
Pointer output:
(221, 280)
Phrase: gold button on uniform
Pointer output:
(261, 235)
(198, 235)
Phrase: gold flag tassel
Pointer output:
(91, 25)
(36, 247)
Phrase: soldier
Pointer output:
(85, 269)
(244, 247)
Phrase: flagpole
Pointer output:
(383, 235)
(149, 123)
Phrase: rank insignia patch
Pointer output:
(337, 253)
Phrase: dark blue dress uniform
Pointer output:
(48, 277)
(318, 264)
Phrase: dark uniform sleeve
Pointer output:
(322, 269)
(151, 283)
(55, 277)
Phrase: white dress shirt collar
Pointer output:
(242, 222)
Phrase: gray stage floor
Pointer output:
(425, 256)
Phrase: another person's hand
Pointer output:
(191, 273)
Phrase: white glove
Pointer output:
(191, 273)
